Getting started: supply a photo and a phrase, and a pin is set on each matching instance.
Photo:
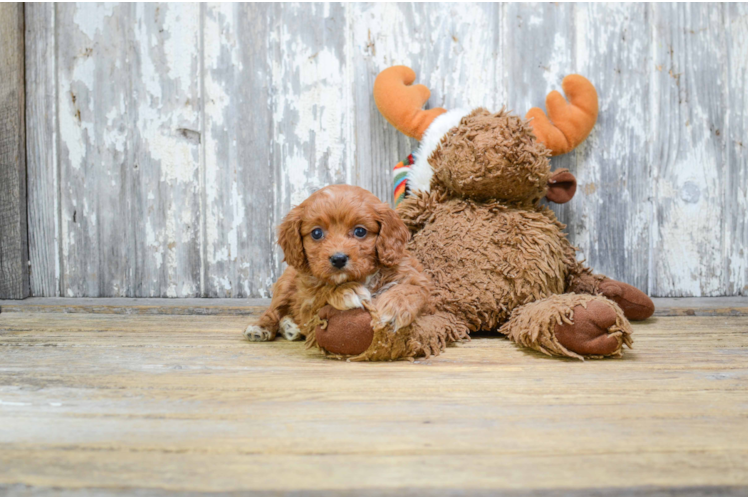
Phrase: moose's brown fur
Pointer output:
(498, 258)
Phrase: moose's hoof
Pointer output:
(588, 334)
(635, 304)
(347, 332)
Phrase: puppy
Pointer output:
(347, 249)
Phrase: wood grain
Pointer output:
(163, 167)
(95, 149)
(688, 149)
(41, 159)
(735, 256)
(129, 150)
(181, 404)
(689, 306)
(239, 179)
(14, 271)
(200, 126)
(609, 218)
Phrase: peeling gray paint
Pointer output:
(167, 141)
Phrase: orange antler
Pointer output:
(572, 121)
(400, 103)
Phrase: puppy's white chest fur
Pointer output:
(351, 296)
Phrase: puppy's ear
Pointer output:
(393, 236)
(290, 241)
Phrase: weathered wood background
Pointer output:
(14, 256)
(166, 141)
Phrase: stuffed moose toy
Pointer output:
(498, 259)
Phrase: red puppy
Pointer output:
(345, 248)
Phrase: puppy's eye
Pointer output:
(317, 233)
(359, 232)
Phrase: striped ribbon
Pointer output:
(401, 172)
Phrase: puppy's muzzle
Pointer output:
(339, 260)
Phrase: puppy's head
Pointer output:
(342, 233)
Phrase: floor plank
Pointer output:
(687, 306)
(177, 404)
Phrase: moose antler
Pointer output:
(572, 122)
(400, 102)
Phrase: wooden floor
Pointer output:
(181, 404)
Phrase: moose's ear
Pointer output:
(561, 186)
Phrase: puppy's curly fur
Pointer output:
(350, 222)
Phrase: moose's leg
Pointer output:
(341, 333)
(570, 325)
(427, 336)
(635, 304)
(352, 334)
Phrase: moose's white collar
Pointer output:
(419, 177)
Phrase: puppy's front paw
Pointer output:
(289, 329)
(256, 333)
(396, 321)
(393, 315)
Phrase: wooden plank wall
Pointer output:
(14, 270)
(166, 141)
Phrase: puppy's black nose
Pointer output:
(339, 260)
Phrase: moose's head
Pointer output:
(482, 155)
